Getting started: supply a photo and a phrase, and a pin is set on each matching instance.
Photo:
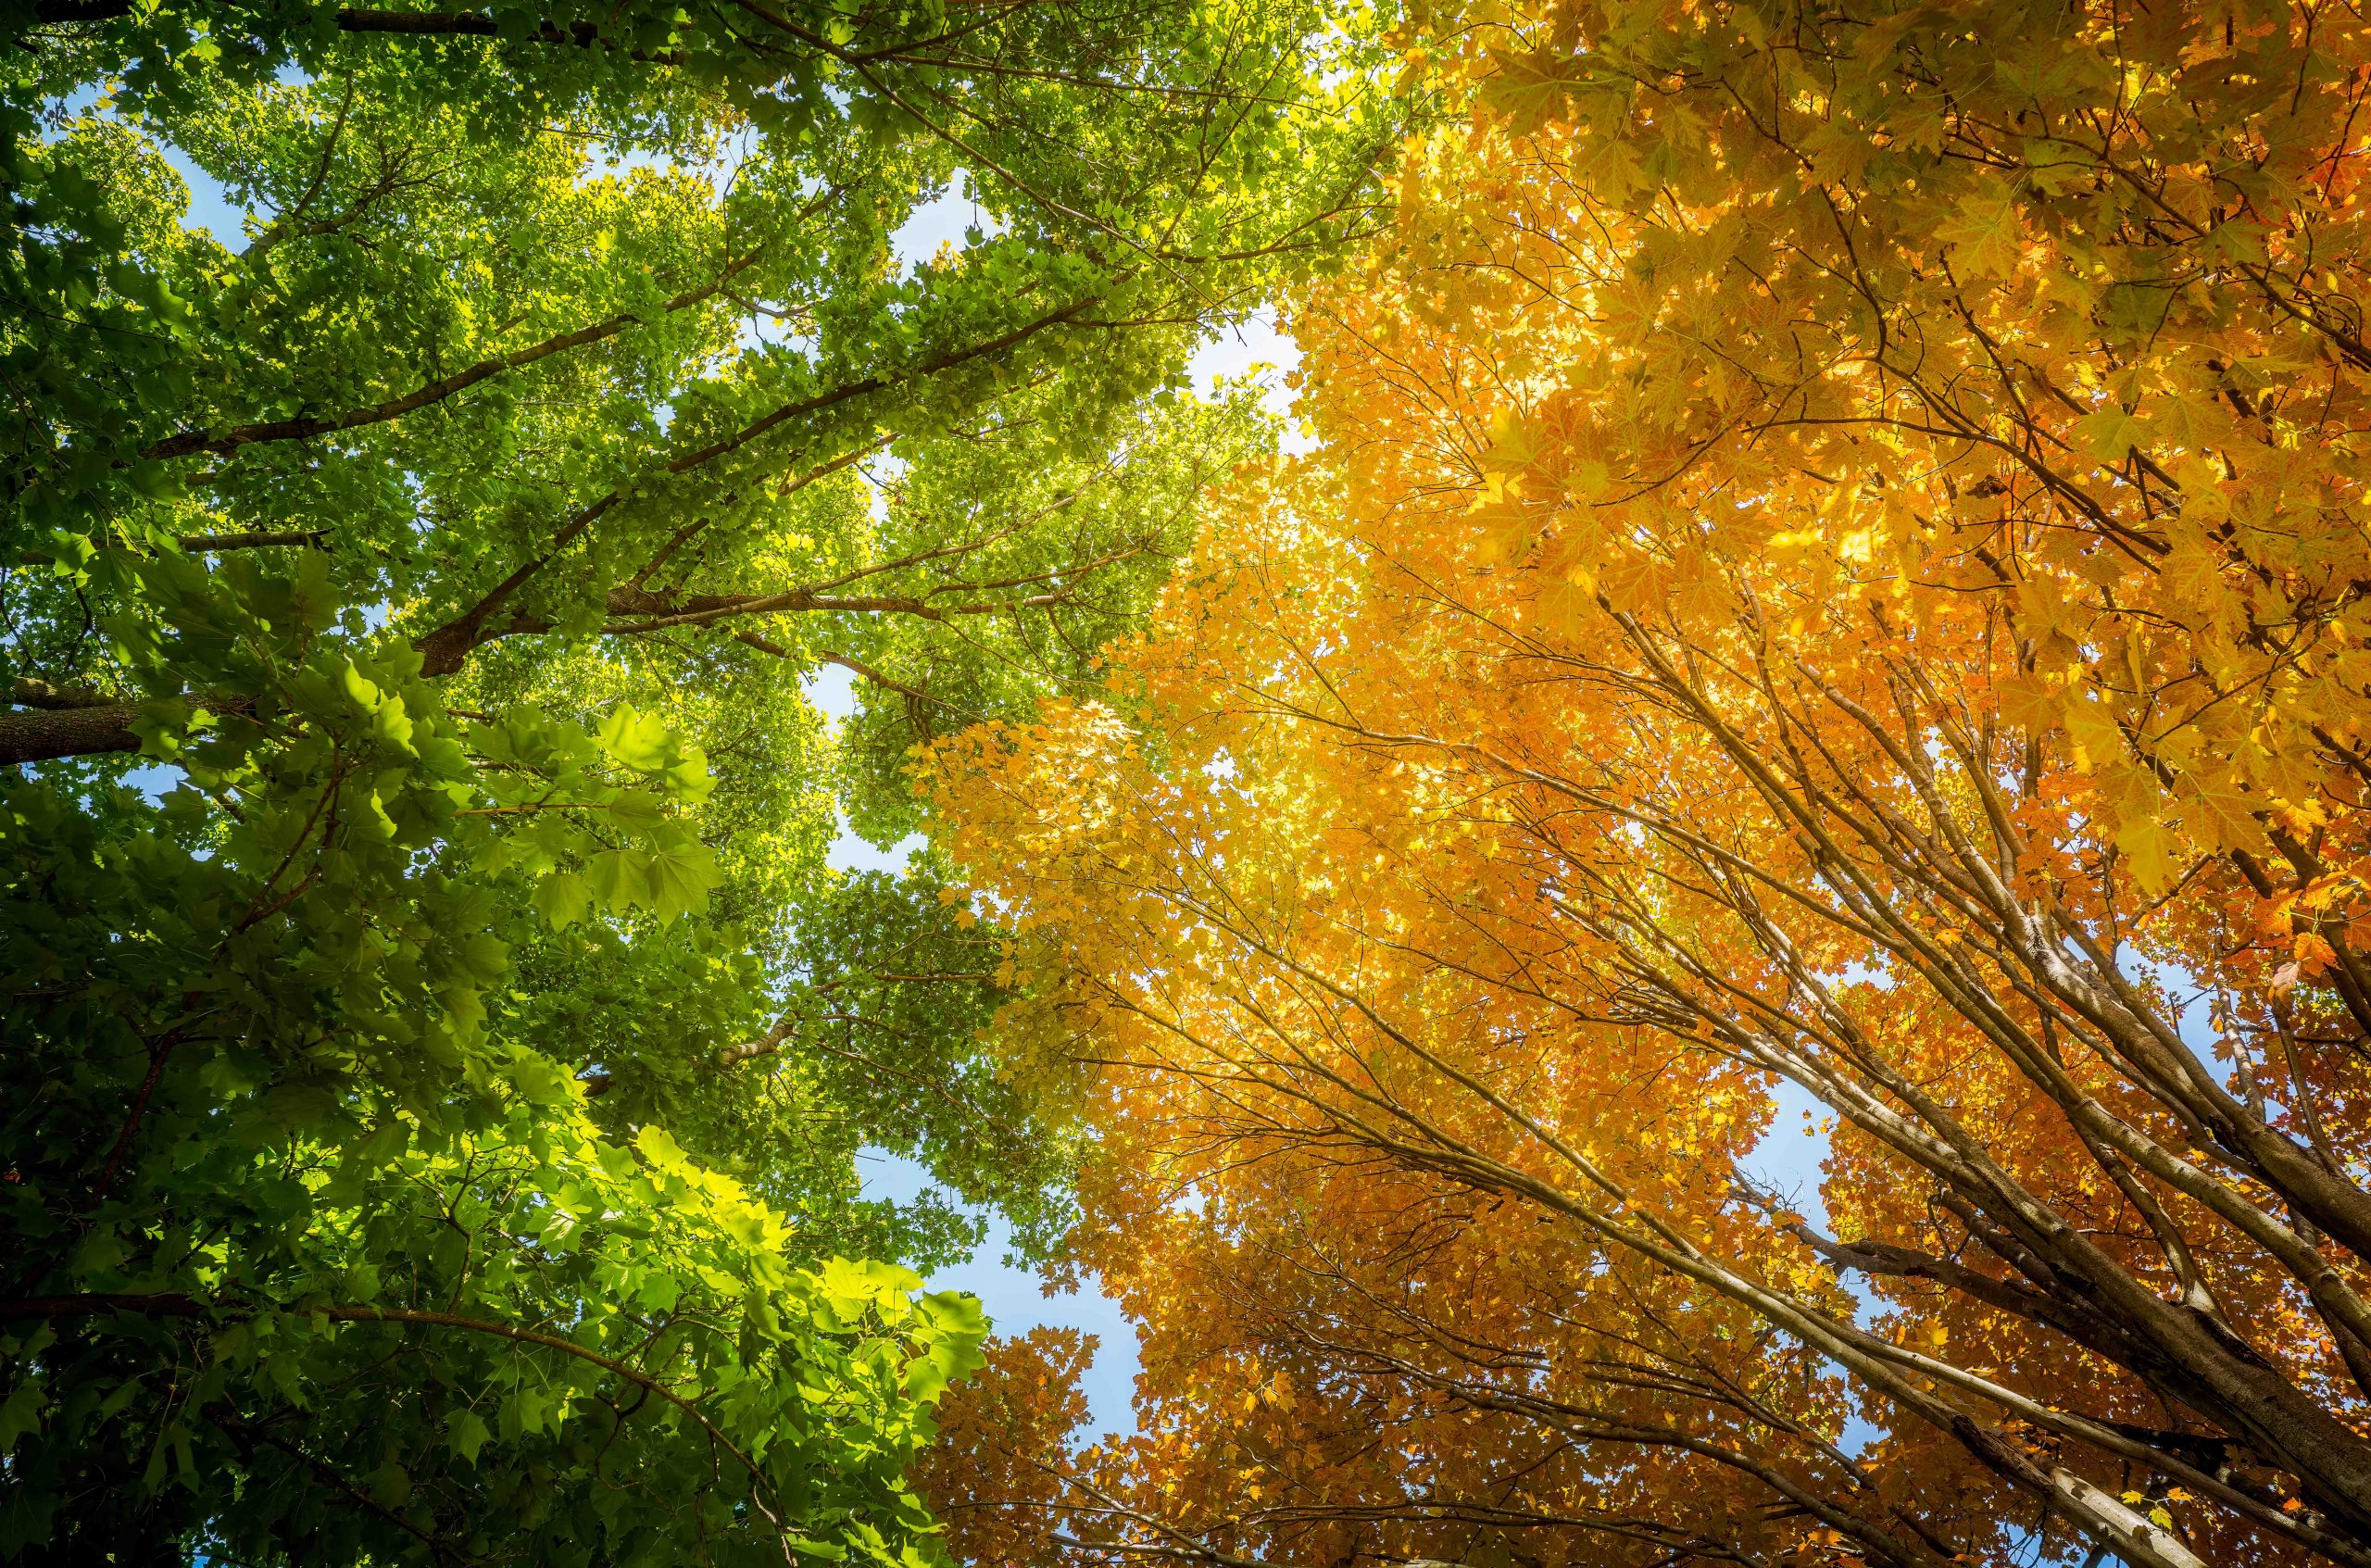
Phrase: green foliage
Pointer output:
(287, 1011)
(613, 1347)
(437, 1049)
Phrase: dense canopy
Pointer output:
(435, 1047)
(1728, 928)
(1831, 587)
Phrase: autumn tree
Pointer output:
(1835, 569)
(435, 1045)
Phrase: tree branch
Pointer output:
(201, 544)
(28, 692)
(87, 729)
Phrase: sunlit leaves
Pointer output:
(446, 541)
(1831, 567)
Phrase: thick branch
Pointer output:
(28, 692)
(202, 544)
(44, 735)
(352, 18)
(79, 729)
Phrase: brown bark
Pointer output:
(45, 734)
(354, 18)
(203, 544)
(82, 728)
(30, 692)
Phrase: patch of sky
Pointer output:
(1788, 1161)
(1792, 1149)
(154, 780)
(212, 208)
(851, 852)
(2188, 1001)
(877, 473)
(831, 690)
(1859, 973)
(947, 219)
(1253, 349)
(1016, 1300)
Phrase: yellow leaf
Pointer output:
(1983, 236)
(2092, 727)
(2222, 813)
(2129, 790)
(2030, 701)
(2143, 841)
(2112, 433)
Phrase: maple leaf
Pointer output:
(2148, 849)
(1983, 236)
(2030, 701)
(2223, 812)
(2112, 433)
(1528, 88)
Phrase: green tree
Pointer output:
(431, 1094)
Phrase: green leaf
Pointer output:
(641, 743)
(539, 1080)
(660, 1147)
(617, 879)
(680, 879)
(20, 1414)
(359, 688)
(466, 1433)
(390, 1484)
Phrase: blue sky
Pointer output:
(1015, 1300)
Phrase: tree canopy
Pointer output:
(1828, 593)
(436, 1047)
(1831, 587)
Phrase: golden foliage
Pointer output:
(1836, 565)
